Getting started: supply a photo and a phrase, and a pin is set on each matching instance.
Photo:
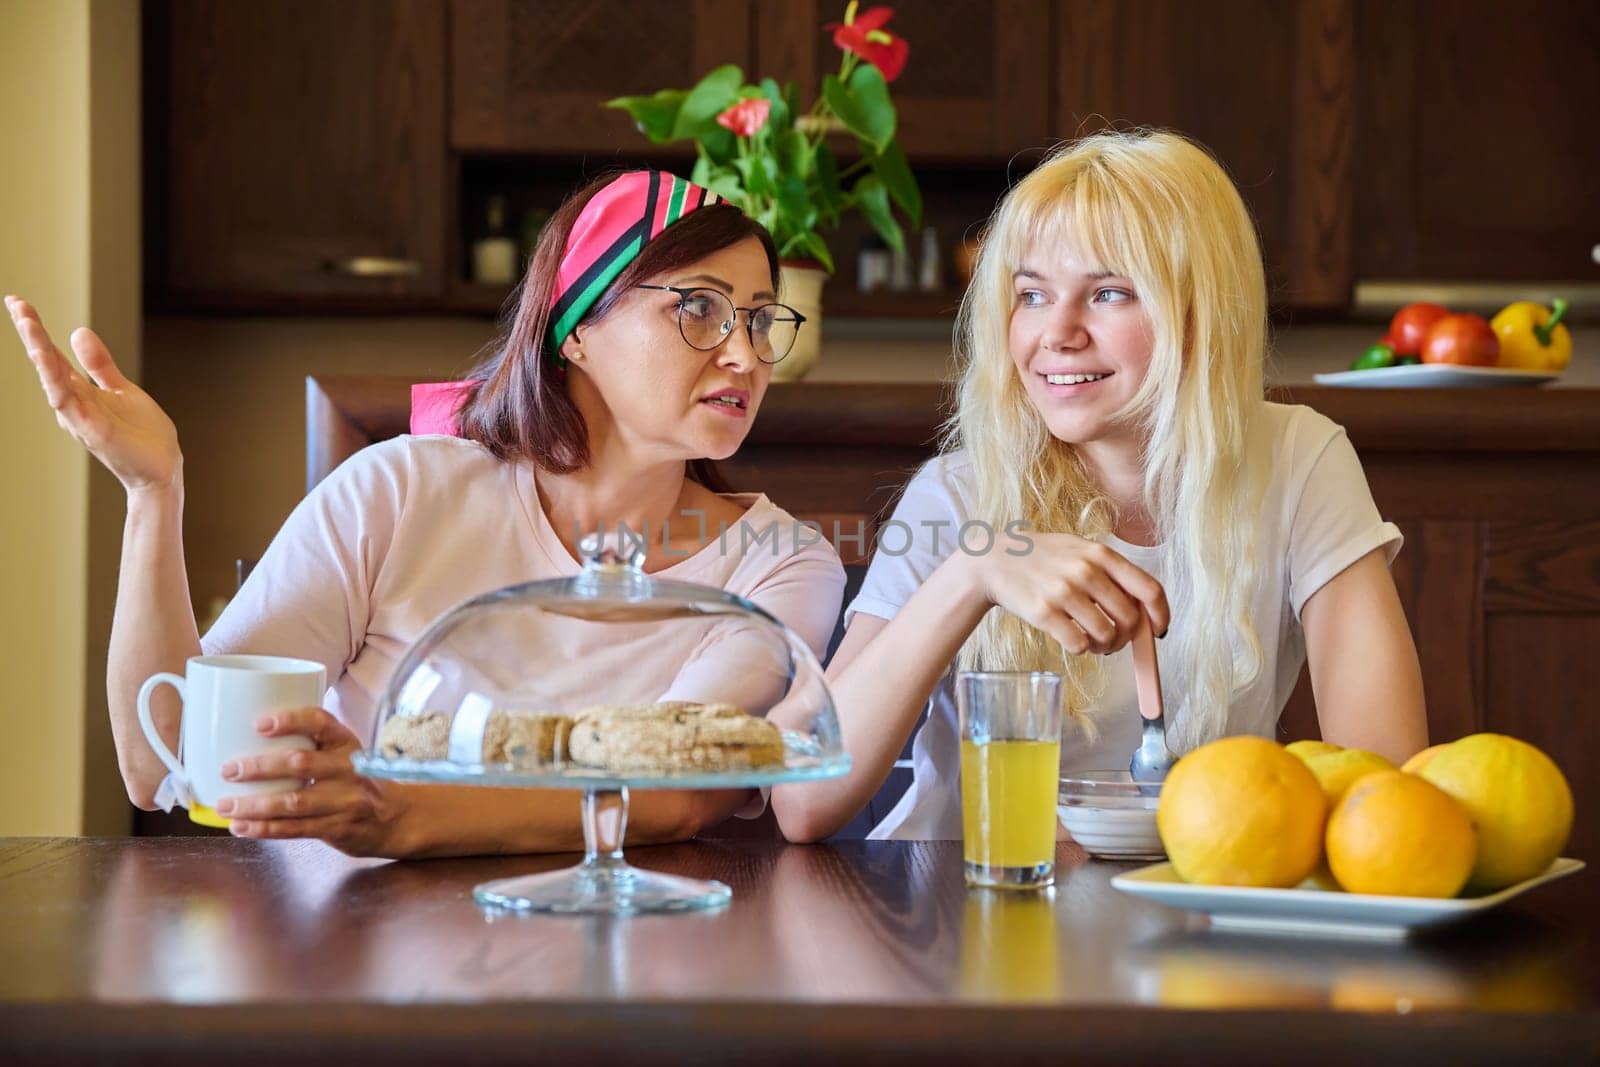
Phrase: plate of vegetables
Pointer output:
(1428, 346)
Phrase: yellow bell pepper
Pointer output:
(1532, 336)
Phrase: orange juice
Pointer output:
(1008, 809)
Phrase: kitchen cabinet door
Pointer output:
(1266, 85)
(303, 150)
(530, 75)
(1479, 158)
(976, 85)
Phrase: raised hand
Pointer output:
(113, 418)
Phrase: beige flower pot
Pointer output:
(800, 286)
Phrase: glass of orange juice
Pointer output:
(1010, 760)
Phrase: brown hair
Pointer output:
(518, 407)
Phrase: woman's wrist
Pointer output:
(969, 582)
(158, 496)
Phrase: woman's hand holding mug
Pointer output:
(354, 814)
(223, 697)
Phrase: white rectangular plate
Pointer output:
(1435, 376)
(1306, 911)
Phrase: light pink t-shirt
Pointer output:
(407, 529)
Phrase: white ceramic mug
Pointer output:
(223, 696)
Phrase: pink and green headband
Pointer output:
(611, 230)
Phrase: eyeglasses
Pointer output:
(706, 318)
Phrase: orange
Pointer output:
(1338, 771)
(1518, 800)
(1396, 835)
(1415, 764)
(1242, 811)
(1306, 749)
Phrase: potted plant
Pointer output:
(757, 148)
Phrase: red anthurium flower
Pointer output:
(864, 34)
(746, 117)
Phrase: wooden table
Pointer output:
(220, 951)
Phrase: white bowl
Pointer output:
(1110, 815)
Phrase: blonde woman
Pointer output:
(1112, 454)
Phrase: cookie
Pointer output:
(518, 737)
(525, 738)
(674, 736)
(421, 737)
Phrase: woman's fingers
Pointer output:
(1068, 634)
(56, 374)
(1086, 613)
(330, 828)
(1143, 587)
(314, 723)
(304, 764)
(307, 802)
(96, 359)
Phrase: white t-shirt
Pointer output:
(1317, 517)
(407, 529)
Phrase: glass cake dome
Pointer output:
(603, 681)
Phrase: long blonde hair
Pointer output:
(1157, 209)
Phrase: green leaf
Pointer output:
(808, 246)
(780, 118)
(759, 174)
(655, 116)
(829, 196)
(844, 104)
(895, 170)
(720, 144)
(798, 211)
(793, 150)
(716, 92)
(864, 105)
(872, 197)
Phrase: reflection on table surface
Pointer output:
(223, 921)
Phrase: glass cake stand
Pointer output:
(606, 883)
(608, 636)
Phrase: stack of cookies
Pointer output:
(643, 739)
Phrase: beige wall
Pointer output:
(69, 243)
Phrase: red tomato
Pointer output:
(1467, 339)
(1411, 324)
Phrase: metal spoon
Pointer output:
(1152, 759)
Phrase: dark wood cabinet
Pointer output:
(530, 75)
(976, 86)
(303, 151)
(320, 156)
(1265, 85)
(1478, 154)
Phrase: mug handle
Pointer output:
(147, 724)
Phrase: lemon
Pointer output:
(1518, 800)
(1306, 749)
(1338, 771)
(1242, 811)
(1415, 764)
(1396, 835)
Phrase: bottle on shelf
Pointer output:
(872, 264)
(930, 273)
(494, 255)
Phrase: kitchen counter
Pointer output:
(219, 950)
